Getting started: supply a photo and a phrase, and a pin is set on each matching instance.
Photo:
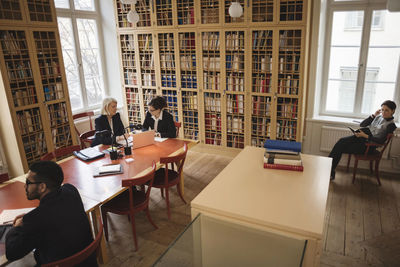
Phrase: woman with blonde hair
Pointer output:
(108, 120)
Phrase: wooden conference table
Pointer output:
(94, 190)
(289, 203)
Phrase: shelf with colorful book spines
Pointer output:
(209, 11)
(164, 12)
(211, 58)
(262, 61)
(234, 60)
(287, 117)
(128, 59)
(262, 11)
(146, 56)
(186, 12)
(188, 61)
(58, 119)
(260, 119)
(190, 113)
(235, 111)
(291, 10)
(10, 10)
(213, 118)
(133, 105)
(166, 48)
(40, 11)
(172, 102)
(289, 61)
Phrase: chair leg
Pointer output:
(180, 193)
(370, 166)
(355, 170)
(105, 226)
(134, 230)
(377, 172)
(162, 192)
(348, 163)
(149, 218)
(167, 201)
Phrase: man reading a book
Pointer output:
(58, 227)
(375, 129)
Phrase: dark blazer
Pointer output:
(101, 123)
(57, 229)
(166, 126)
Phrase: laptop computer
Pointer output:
(143, 139)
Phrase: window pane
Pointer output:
(70, 62)
(84, 5)
(383, 58)
(343, 65)
(61, 3)
(91, 62)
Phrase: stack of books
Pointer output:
(284, 155)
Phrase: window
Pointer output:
(361, 67)
(78, 23)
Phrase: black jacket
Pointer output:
(101, 123)
(57, 228)
(166, 126)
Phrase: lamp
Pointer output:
(133, 16)
(235, 10)
(128, 2)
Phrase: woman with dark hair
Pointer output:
(159, 119)
(375, 129)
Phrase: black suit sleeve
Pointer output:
(100, 124)
(118, 126)
(148, 122)
(166, 127)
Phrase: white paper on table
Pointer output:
(160, 139)
(9, 215)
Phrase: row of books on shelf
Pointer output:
(130, 77)
(280, 154)
(213, 138)
(25, 96)
(235, 124)
(212, 122)
(234, 62)
(49, 67)
(186, 16)
(191, 134)
(128, 60)
(210, 41)
(262, 39)
(189, 81)
(212, 103)
(168, 80)
(234, 41)
(34, 145)
(29, 121)
(258, 141)
(13, 42)
(57, 114)
(147, 61)
(261, 127)
(189, 101)
(148, 79)
(127, 42)
(211, 81)
(261, 106)
(166, 41)
(188, 62)
(235, 82)
(20, 69)
(61, 136)
(190, 117)
(290, 39)
(53, 91)
(211, 63)
(288, 86)
(286, 129)
(235, 141)
(148, 95)
(287, 110)
(167, 61)
(164, 18)
(145, 42)
(262, 63)
(261, 84)
(187, 41)
(289, 64)
(235, 104)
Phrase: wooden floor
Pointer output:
(357, 215)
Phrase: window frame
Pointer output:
(95, 15)
(368, 9)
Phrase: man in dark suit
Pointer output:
(159, 119)
(58, 227)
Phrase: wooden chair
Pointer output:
(371, 157)
(177, 127)
(80, 256)
(60, 152)
(167, 177)
(89, 135)
(131, 201)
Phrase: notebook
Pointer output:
(143, 139)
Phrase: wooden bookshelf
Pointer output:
(231, 82)
(33, 82)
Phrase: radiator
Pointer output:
(330, 135)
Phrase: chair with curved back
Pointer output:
(177, 127)
(131, 201)
(88, 136)
(376, 156)
(167, 177)
(60, 152)
(81, 255)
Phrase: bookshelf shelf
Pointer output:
(231, 82)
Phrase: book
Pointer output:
(282, 145)
(283, 167)
(107, 170)
(363, 129)
(286, 159)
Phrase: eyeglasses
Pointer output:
(27, 182)
(152, 110)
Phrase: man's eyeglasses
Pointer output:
(27, 182)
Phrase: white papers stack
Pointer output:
(9, 215)
(110, 168)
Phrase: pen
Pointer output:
(7, 222)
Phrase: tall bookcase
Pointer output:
(36, 113)
(230, 81)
